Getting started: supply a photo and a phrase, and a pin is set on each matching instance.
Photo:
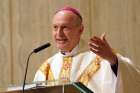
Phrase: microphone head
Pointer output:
(41, 47)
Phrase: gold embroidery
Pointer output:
(50, 75)
(90, 71)
(66, 68)
(85, 77)
(45, 69)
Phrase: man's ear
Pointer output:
(81, 29)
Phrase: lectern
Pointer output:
(51, 87)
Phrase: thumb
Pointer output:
(103, 35)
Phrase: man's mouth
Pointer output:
(61, 40)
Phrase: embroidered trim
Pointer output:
(45, 69)
(91, 69)
(85, 77)
(66, 68)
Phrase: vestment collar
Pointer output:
(72, 53)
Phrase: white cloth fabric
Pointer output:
(128, 78)
(104, 80)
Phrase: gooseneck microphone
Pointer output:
(41, 47)
(26, 69)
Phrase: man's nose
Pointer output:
(60, 32)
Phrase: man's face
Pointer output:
(66, 30)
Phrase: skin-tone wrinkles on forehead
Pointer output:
(71, 15)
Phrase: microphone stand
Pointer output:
(26, 69)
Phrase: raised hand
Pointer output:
(100, 46)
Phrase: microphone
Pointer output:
(26, 69)
(41, 47)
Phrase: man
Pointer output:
(99, 68)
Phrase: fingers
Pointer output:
(93, 45)
(97, 41)
(98, 44)
(94, 50)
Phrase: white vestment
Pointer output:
(104, 80)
